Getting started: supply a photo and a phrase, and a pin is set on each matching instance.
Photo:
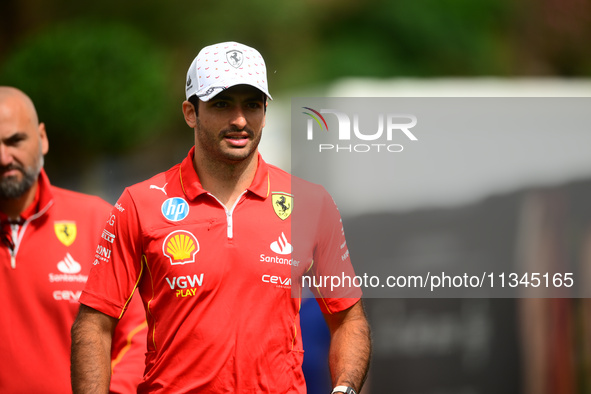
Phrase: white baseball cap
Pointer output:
(220, 66)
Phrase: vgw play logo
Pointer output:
(389, 126)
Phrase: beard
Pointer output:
(210, 143)
(11, 187)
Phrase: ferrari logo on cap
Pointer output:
(65, 232)
(235, 58)
(282, 204)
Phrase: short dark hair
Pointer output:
(195, 101)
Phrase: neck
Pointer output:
(226, 181)
(14, 207)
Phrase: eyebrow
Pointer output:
(19, 135)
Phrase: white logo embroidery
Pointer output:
(107, 236)
(160, 188)
(69, 265)
(281, 246)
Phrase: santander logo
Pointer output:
(69, 265)
(281, 246)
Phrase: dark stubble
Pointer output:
(11, 187)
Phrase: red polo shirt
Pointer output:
(216, 281)
(45, 259)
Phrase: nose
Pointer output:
(5, 155)
(238, 119)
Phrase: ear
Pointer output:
(189, 113)
(44, 139)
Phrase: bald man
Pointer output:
(49, 237)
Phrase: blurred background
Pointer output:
(107, 78)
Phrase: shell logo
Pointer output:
(180, 247)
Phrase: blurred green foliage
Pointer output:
(97, 86)
(418, 38)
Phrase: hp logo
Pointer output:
(175, 209)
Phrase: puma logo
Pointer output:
(160, 188)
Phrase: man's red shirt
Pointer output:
(45, 259)
(216, 281)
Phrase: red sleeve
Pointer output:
(117, 267)
(331, 259)
(128, 352)
(111, 284)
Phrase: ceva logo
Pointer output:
(277, 280)
(388, 125)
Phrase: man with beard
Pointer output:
(209, 246)
(48, 238)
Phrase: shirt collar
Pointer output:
(192, 187)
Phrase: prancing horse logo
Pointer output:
(282, 204)
(65, 231)
(235, 58)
